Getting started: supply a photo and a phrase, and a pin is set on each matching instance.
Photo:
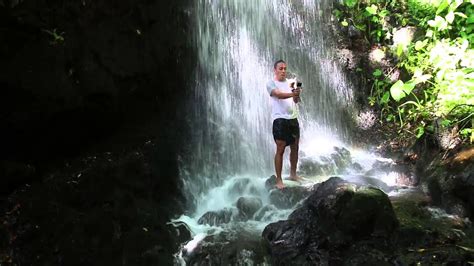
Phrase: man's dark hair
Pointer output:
(278, 62)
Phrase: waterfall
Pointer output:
(230, 149)
(237, 42)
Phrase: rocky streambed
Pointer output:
(353, 219)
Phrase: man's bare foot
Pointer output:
(279, 185)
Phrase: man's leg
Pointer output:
(281, 144)
(294, 148)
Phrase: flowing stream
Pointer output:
(231, 149)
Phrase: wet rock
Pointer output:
(180, 232)
(309, 166)
(265, 213)
(337, 214)
(270, 182)
(364, 180)
(455, 206)
(217, 217)
(450, 183)
(335, 163)
(356, 167)
(236, 247)
(288, 197)
(247, 206)
(242, 186)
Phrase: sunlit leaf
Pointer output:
(408, 87)
(419, 45)
(444, 4)
(372, 9)
(420, 131)
(396, 91)
(460, 14)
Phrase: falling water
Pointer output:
(237, 42)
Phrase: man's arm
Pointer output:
(285, 95)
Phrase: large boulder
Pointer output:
(248, 206)
(336, 215)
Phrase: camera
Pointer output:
(299, 84)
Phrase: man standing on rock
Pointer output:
(286, 130)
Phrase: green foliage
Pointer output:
(56, 37)
(439, 61)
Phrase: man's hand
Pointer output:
(296, 95)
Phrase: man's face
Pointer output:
(280, 71)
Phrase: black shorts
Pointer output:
(286, 129)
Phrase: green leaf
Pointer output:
(372, 9)
(344, 23)
(460, 14)
(446, 122)
(385, 98)
(419, 45)
(377, 73)
(470, 20)
(396, 91)
(408, 87)
(420, 131)
(390, 117)
(400, 50)
(442, 6)
(350, 3)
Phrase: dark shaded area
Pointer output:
(106, 209)
(82, 74)
(91, 120)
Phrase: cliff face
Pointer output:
(78, 74)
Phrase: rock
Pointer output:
(335, 163)
(364, 180)
(227, 248)
(243, 185)
(456, 206)
(247, 206)
(180, 232)
(337, 214)
(451, 184)
(265, 213)
(270, 182)
(288, 197)
(217, 217)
